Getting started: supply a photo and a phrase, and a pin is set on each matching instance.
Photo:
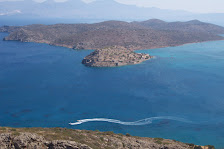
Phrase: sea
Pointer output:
(179, 94)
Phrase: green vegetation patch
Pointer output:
(128, 135)
(210, 146)
(109, 133)
(2, 128)
(197, 147)
(159, 140)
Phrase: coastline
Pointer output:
(138, 49)
(113, 62)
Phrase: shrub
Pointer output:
(128, 135)
(13, 129)
(210, 146)
(197, 147)
(159, 142)
(16, 133)
(109, 133)
(190, 144)
(101, 138)
(158, 139)
(2, 128)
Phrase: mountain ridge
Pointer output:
(80, 9)
(95, 11)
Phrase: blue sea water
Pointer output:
(47, 86)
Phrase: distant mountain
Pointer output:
(217, 18)
(10, 12)
(96, 11)
(134, 35)
(103, 9)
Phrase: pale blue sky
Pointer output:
(201, 6)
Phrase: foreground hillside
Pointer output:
(62, 138)
(134, 35)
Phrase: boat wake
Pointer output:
(139, 122)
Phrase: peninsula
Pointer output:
(124, 35)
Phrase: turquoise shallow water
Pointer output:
(47, 86)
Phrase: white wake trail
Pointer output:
(140, 122)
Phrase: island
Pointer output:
(62, 138)
(114, 56)
(135, 35)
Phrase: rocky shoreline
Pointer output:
(114, 56)
(62, 138)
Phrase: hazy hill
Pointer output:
(104, 9)
(93, 12)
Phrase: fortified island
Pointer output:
(125, 36)
(114, 56)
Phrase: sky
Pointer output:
(199, 6)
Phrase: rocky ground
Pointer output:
(114, 56)
(61, 138)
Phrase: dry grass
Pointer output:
(94, 139)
